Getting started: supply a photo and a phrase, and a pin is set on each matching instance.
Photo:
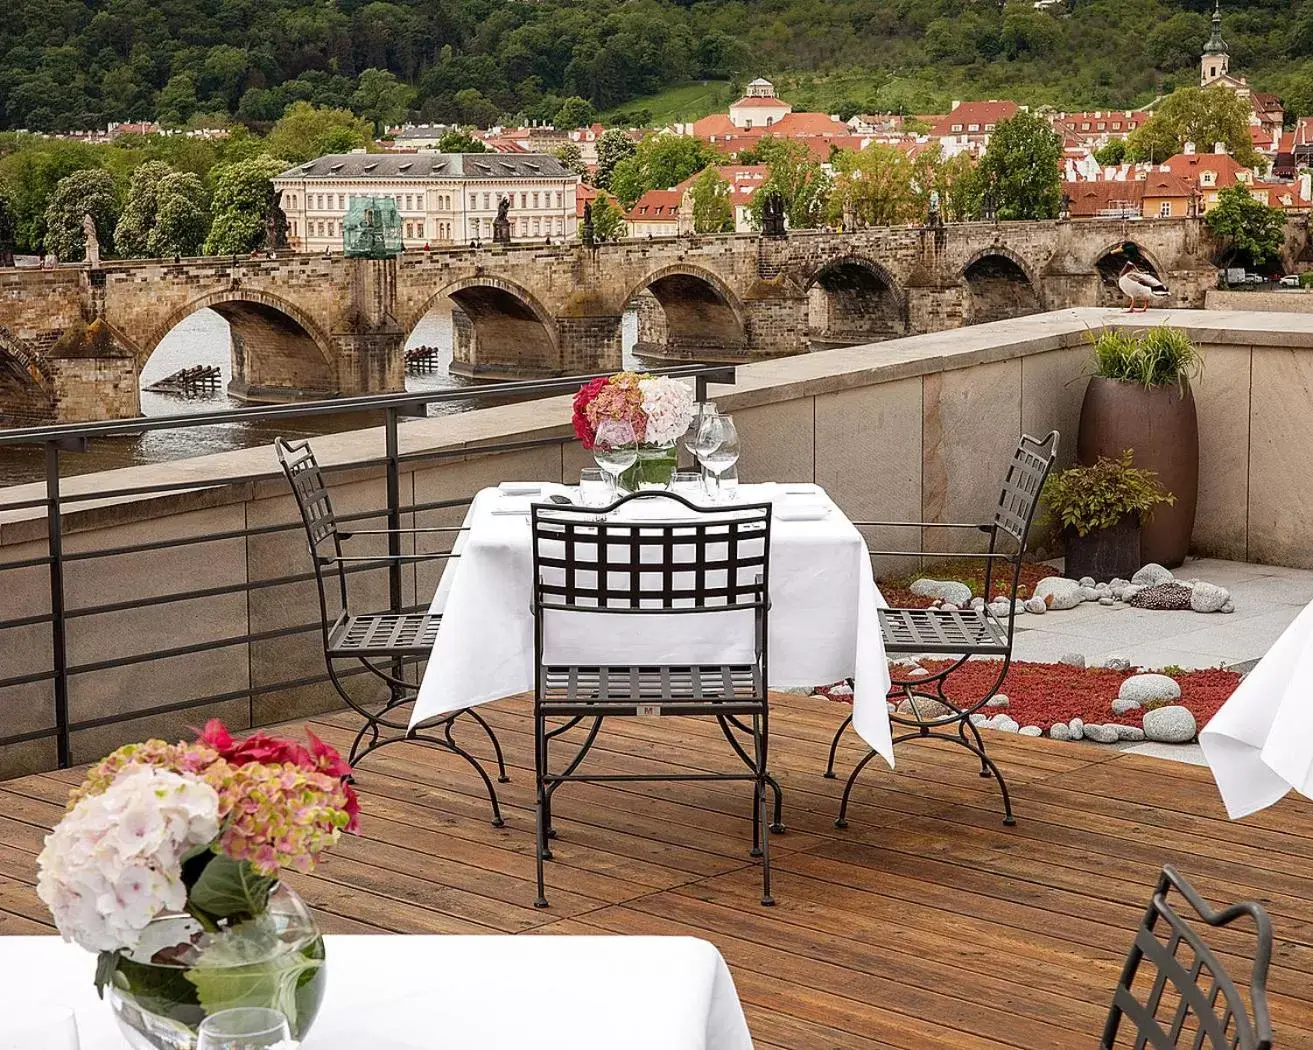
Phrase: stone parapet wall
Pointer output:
(917, 428)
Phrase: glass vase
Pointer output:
(181, 974)
(653, 469)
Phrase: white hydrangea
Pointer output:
(115, 861)
(668, 405)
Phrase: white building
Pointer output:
(759, 107)
(443, 198)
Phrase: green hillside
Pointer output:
(80, 63)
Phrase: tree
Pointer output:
(572, 157)
(306, 131)
(712, 210)
(873, 187)
(461, 142)
(1204, 116)
(8, 230)
(613, 147)
(473, 107)
(243, 195)
(165, 213)
(177, 100)
(82, 193)
(381, 98)
(1245, 227)
(575, 112)
(1112, 153)
(659, 162)
(608, 219)
(796, 176)
(1020, 168)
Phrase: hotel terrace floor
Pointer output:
(924, 924)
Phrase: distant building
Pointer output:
(667, 213)
(969, 125)
(412, 137)
(759, 107)
(1214, 172)
(1154, 194)
(1266, 110)
(760, 113)
(443, 198)
(655, 214)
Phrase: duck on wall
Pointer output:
(1139, 286)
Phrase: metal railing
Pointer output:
(61, 440)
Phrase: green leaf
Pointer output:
(106, 964)
(230, 889)
(271, 982)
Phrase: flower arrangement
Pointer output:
(659, 408)
(201, 829)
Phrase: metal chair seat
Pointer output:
(720, 689)
(384, 634)
(942, 631)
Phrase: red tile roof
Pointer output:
(758, 101)
(978, 113)
(656, 206)
(1225, 166)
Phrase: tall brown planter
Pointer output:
(1159, 424)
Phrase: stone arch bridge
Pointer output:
(73, 340)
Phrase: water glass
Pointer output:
(615, 448)
(40, 1028)
(717, 447)
(689, 484)
(594, 490)
(245, 1028)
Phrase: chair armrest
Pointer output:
(333, 559)
(940, 554)
(347, 534)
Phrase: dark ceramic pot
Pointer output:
(1104, 554)
(1159, 424)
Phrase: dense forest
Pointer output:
(67, 64)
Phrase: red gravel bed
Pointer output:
(894, 588)
(1042, 694)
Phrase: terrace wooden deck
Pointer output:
(924, 924)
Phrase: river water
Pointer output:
(203, 339)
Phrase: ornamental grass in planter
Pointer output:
(1139, 398)
(1101, 509)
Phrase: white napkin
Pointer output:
(800, 510)
(511, 505)
(521, 488)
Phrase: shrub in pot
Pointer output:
(1139, 398)
(1100, 509)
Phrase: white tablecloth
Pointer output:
(1260, 744)
(823, 621)
(456, 993)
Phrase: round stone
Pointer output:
(1072, 659)
(1229, 607)
(1133, 733)
(1208, 597)
(1107, 599)
(948, 590)
(1030, 731)
(1058, 592)
(977, 603)
(1005, 724)
(1122, 704)
(1117, 663)
(999, 610)
(999, 701)
(1076, 729)
(1089, 594)
(1149, 690)
(1101, 734)
(948, 607)
(1036, 606)
(1172, 596)
(1151, 574)
(1059, 731)
(1087, 581)
(926, 710)
(1173, 724)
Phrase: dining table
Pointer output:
(1259, 745)
(425, 992)
(823, 622)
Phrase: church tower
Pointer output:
(1216, 61)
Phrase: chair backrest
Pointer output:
(1184, 996)
(1022, 485)
(713, 559)
(316, 507)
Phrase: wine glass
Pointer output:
(615, 448)
(718, 444)
(245, 1028)
(701, 410)
(40, 1027)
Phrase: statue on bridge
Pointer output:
(501, 226)
(275, 221)
(772, 215)
(586, 232)
(91, 241)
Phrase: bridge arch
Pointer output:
(1109, 264)
(498, 327)
(279, 353)
(854, 299)
(27, 395)
(700, 317)
(998, 284)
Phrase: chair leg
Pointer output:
(962, 728)
(841, 821)
(834, 747)
(540, 828)
(502, 778)
(990, 769)
(759, 808)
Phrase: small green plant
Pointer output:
(1159, 357)
(1306, 279)
(1098, 497)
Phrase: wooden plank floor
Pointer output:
(924, 924)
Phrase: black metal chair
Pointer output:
(1192, 1001)
(391, 638)
(963, 633)
(716, 560)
